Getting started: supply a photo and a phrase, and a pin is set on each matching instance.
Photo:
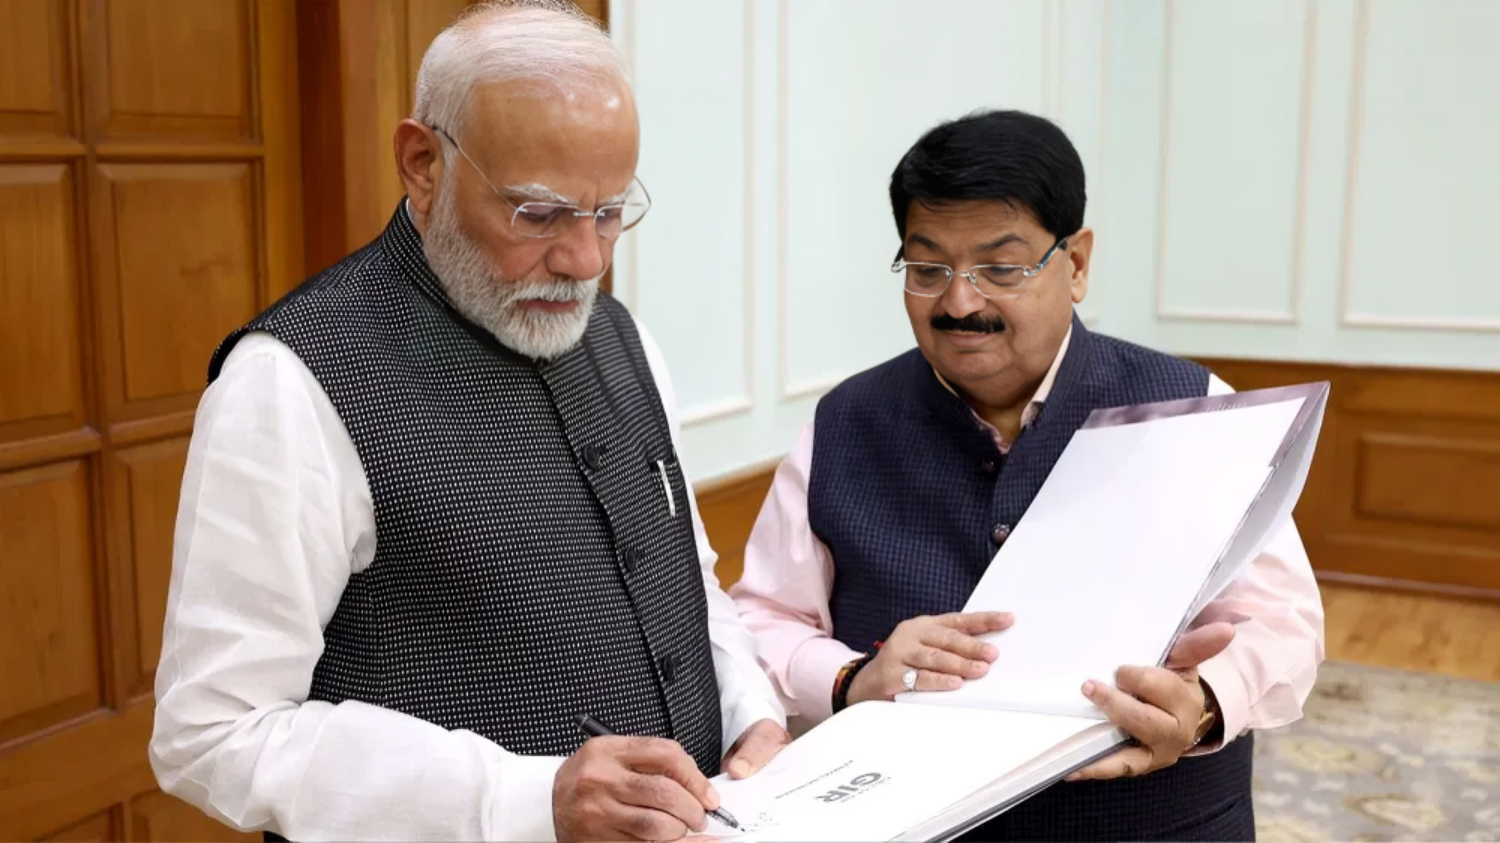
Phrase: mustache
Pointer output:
(975, 323)
(551, 289)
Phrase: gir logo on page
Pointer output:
(856, 786)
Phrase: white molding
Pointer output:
(1052, 60)
(786, 390)
(1245, 317)
(632, 255)
(715, 410)
(811, 386)
(1348, 319)
(745, 402)
(1092, 314)
(1293, 314)
(1420, 323)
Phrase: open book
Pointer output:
(1149, 514)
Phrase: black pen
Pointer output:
(594, 729)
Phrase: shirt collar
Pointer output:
(1038, 399)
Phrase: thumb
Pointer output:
(759, 746)
(1200, 645)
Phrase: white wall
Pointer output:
(1284, 179)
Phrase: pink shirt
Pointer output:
(1261, 680)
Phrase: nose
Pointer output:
(578, 251)
(962, 299)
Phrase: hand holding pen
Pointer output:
(618, 787)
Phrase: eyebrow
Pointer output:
(1006, 240)
(542, 193)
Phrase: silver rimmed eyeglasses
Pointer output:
(542, 219)
(995, 280)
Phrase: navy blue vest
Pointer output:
(913, 498)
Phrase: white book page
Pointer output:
(877, 769)
(1113, 552)
(1271, 512)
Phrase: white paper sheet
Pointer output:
(1114, 549)
(877, 769)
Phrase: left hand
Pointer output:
(1158, 706)
(756, 746)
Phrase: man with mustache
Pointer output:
(883, 519)
(433, 513)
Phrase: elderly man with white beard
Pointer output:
(432, 513)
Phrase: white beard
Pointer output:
(493, 303)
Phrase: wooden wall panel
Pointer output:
(729, 507)
(1411, 478)
(132, 239)
(35, 87)
(144, 496)
(40, 341)
(175, 305)
(359, 61)
(49, 652)
(158, 817)
(101, 827)
(176, 68)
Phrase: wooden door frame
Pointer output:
(355, 86)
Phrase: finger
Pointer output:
(928, 680)
(660, 794)
(643, 824)
(941, 661)
(975, 623)
(1200, 645)
(1144, 722)
(1130, 761)
(953, 641)
(757, 749)
(1156, 685)
(668, 758)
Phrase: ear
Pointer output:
(419, 161)
(1080, 253)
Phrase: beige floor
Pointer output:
(1412, 632)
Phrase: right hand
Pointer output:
(943, 649)
(630, 788)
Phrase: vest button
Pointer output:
(1000, 534)
(668, 668)
(631, 557)
(989, 467)
(592, 456)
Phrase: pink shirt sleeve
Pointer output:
(783, 594)
(1266, 673)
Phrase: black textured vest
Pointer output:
(912, 498)
(526, 568)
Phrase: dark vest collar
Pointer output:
(402, 245)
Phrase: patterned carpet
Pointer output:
(1383, 755)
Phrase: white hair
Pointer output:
(549, 42)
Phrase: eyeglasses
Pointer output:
(546, 219)
(996, 280)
